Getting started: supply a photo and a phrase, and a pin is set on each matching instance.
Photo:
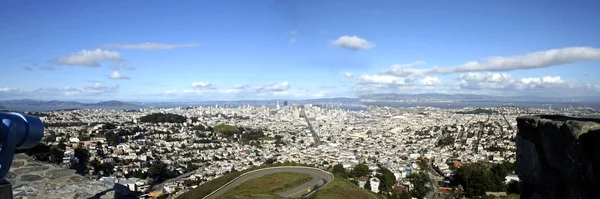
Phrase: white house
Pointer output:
(374, 185)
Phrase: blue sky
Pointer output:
(289, 49)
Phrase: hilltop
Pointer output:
(35, 179)
(275, 183)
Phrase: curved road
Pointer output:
(320, 178)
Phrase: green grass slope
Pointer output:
(268, 186)
(210, 186)
(342, 189)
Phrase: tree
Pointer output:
(387, 179)
(56, 154)
(107, 168)
(475, 178)
(368, 185)
(360, 170)
(445, 141)
(112, 138)
(95, 165)
(163, 118)
(159, 171)
(50, 137)
(419, 180)
(270, 161)
(339, 170)
(513, 187)
(139, 174)
(83, 155)
(226, 130)
(405, 195)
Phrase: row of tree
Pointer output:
(477, 178)
(163, 118)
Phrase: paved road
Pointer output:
(319, 176)
(312, 131)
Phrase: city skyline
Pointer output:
(202, 51)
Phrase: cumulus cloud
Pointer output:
(348, 75)
(117, 75)
(150, 46)
(486, 81)
(97, 88)
(381, 80)
(429, 81)
(353, 43)
(201, 85)
(540, 59)
(89, 58)
(273, 87)
(505, 82)
(7, 89)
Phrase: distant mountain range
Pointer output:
(471, 97)
(29, 102)
(380, 97)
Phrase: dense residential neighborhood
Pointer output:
(170, 151)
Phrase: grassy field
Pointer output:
(340, 188)
(209, 186)
(268, 186)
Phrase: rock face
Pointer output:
(33, 179)
(558, 157)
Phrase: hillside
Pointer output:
(342, 189)
(268, 186)
(338, 188)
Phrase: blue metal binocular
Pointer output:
(17, 131)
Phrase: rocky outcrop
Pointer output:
(33, 179)
(558, 157)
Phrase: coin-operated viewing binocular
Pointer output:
(17, 131)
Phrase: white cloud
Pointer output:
(273, 87)
(292, 32)
(348, 75)
(320, 94)
(292, 40)
(150, 46)
(353, 43)
(6, 89)
(201, 84)
(429, 81)
(505, 82)
(409, 65)
(381, 80)
(96, 88)
(117, 75)
(540, 59)
(89, 58)
(486, 81)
